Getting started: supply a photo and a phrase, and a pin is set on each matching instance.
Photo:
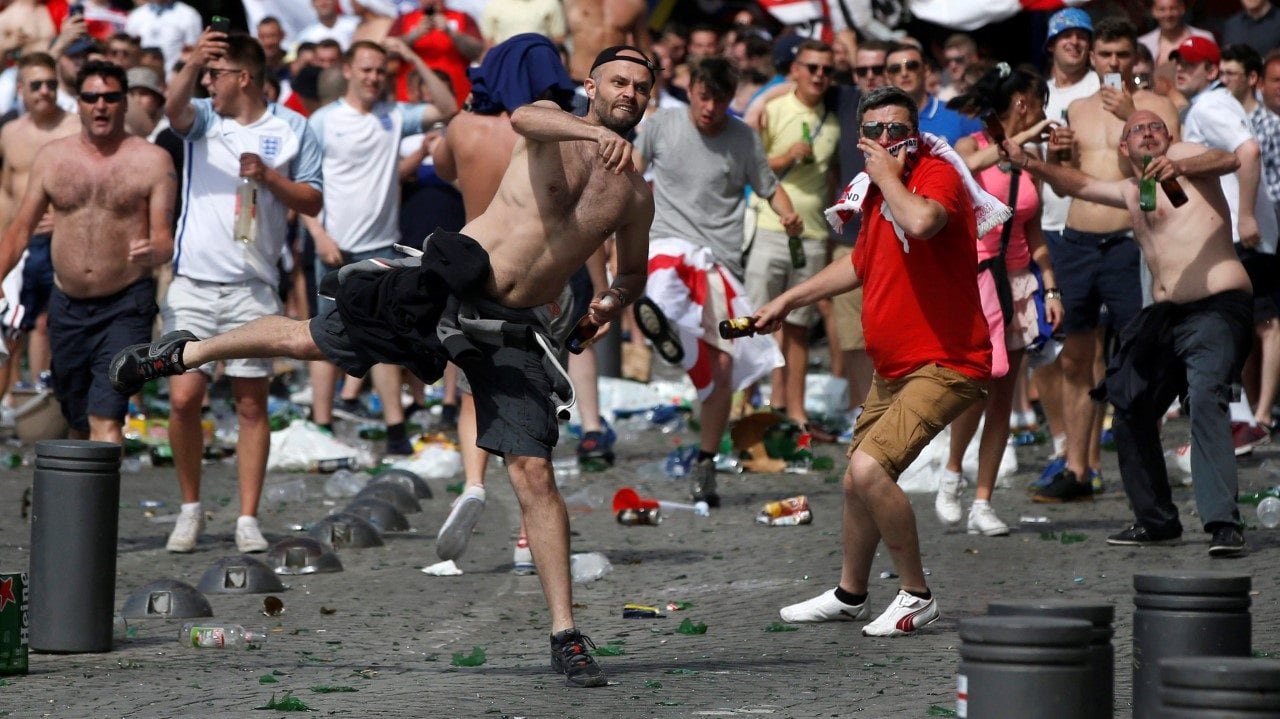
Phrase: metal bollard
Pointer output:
(1219, 688)
(74, 514)
(1185, 614)
(1101, 687)
(1014, 666)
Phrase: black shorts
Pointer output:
(1094, 270)
(84, 334)
(37, 280)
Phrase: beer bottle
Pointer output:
(1147, 189)
(1174, 192)
(583, 335)
(737, 327)
(796, 246)
(1064, 153)
(807, 136)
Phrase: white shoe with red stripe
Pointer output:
(906, 613)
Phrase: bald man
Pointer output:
(1191, 342)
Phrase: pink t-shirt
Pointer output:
(993, 180)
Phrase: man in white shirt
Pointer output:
(329, 25)
(167, 24)
(220, 283)
(1171, 29)
(359, 136)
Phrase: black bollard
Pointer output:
(1219, 688)
(1023, 667)
(1185, 614)
(74, 513)
(1101, 688)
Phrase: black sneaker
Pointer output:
(702, 483)
(655, 327)
(399, 447)
(595, 450)
(135, 366)
(1228, 541)
(1138, 536)
(1064, 488)
(569, 657)
(352, 410)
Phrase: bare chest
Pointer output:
(601, 15)
(106, 186)
(592, 201)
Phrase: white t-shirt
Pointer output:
(204, 247)
(344, 28)
(1054, 213)
(361, 182)
(1218, 120)
(168, 27)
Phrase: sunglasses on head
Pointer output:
(867, 70)
(814, 67)
(35, 85)
(897, 130)
(111, 98)
(909, 66)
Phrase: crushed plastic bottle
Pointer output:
(566, 470)
(589, 566)
(199, 635)
(1269, 512)
(583, 500)
(680, 461)
(295, 490)
(344, 483)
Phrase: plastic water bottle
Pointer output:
(589, 567)
(295, 490)
(345, 483)
(1269, 512)
(198, 635)
(246, 227)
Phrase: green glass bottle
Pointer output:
(796, 246)
(1147, 189)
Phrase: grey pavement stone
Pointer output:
(394, 629)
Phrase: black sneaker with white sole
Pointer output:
(655, 327)
(1228, 541)
(136, 365)
(570, 657)
(1138, 536)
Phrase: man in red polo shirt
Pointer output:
(445, 39)
(916, 261)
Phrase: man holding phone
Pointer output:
(1096, 259)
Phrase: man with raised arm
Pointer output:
(486, 299)
(1192, 340)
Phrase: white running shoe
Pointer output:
(248, 537)
(983, 520)
(186, 532)
(824, 608)
(452, 538)
(906, 613)
(522, 558)
(947, 503)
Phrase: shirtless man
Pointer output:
(1096, 260)
(20, 140)
(474, 155)
(26, 26)
(597, 24)
(113, 200)
(509, 264)
(1193, 340)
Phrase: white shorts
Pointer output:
(212, 308)
(770, 273)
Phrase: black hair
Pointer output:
(995, 90)
(103, 69)
(756, 44)
(886, 96)
(1248, 58)
(716, 74)
(1110, 29)
(245, 51)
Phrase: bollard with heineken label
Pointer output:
(14, 621)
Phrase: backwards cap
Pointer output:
(609, 54)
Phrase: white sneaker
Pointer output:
(947, 504)
(248, 537)
(186, 532)
(983, 520)
(906, 613)
(452, 538)
(824, 608)
(522, 558)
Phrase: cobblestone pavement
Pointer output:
(393, 630)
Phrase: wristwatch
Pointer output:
(1052, 293)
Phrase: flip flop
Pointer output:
(655, 327)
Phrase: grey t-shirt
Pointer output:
(699, 181)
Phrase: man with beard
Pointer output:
(112, 201)
(1192, 340)
(491, 312)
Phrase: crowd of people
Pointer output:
(385, 186)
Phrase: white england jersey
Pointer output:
(361, 181)
(204, 248)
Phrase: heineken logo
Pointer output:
(6, 593)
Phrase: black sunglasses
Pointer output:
(91, 98)
(814, 67)
(867, 70)
(34, 85)
(897, 130)
(909, 66)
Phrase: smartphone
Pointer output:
(221, 24)
(75, 10)
(1112, 79)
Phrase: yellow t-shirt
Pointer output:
(805, 182)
